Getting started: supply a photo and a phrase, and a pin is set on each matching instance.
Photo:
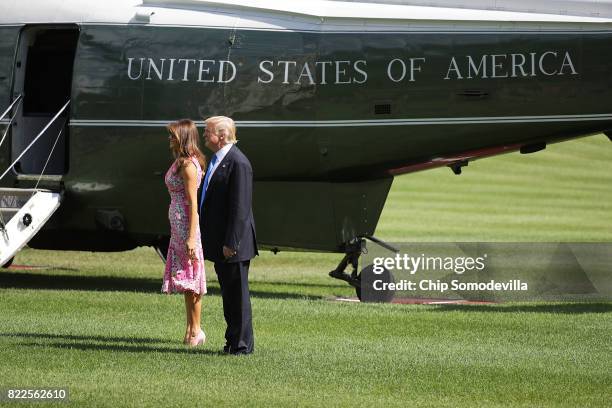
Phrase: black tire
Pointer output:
(366, 279)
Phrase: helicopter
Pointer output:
(332, 100)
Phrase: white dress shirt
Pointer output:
(220, 156)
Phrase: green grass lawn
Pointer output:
(95, 323)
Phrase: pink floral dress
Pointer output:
(182, 274)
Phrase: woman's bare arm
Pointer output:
(190, 179)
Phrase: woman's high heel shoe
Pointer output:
(198, 340)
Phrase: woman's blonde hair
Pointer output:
(223, 126)
(187, 136)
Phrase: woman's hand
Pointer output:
(191, 248)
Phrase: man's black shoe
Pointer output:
(226, 349)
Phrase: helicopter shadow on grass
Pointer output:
(104, 343)
(76, 337)
(40, 281)
(127, 348)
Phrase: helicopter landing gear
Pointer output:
(353, 251)
(364, 278)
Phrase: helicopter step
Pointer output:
(23, 212)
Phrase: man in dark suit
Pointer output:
(228, 229)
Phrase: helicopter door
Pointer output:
(43, 76)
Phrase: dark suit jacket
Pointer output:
(227, 215)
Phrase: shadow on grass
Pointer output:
(85, 343)
(12, 280)
(559, 308)
(303, 284)
(73, 337)
(124, 348)
(40, 267)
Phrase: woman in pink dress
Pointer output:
(184, 271)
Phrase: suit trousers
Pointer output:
(233, 279)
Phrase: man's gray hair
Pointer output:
(225, 126)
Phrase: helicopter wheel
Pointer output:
(366, 279)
